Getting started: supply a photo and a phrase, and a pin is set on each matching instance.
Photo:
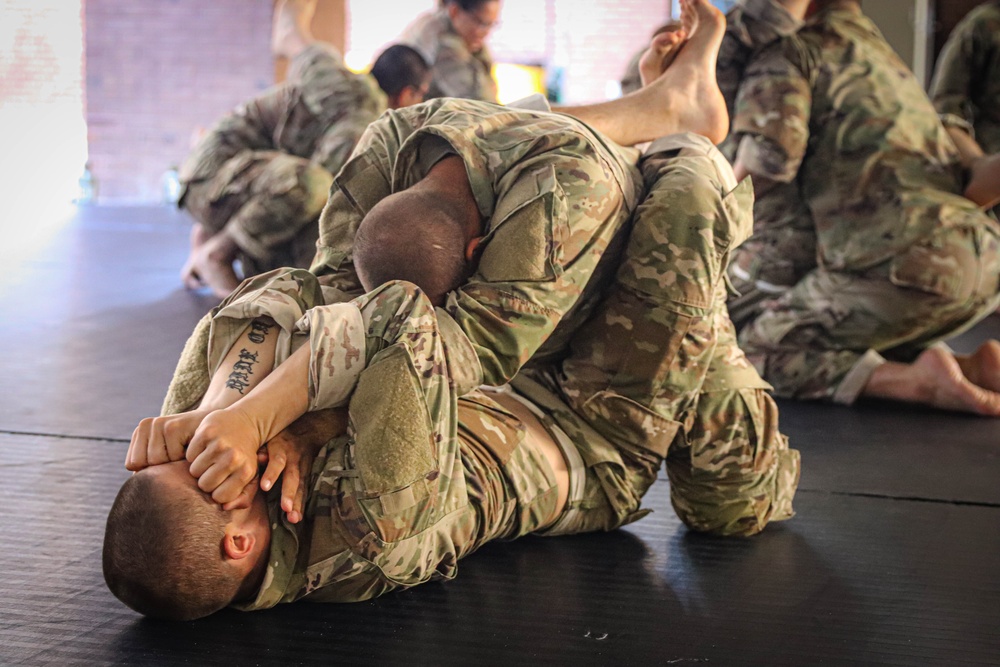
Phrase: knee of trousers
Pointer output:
(288, 189)
(733, 473)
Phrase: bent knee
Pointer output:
(738, 506)
(736, 473)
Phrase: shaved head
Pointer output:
(163, 546)
(416, 236)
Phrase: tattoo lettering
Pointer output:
(239, 379)
(258, 330)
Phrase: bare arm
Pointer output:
(159, 440)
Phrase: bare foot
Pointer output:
(189, 275)
(934, 379)
(984, 181)
(983, 367)
(688, 87)
(685, 98)
(661, 53)
(290, 27)
(212, 265)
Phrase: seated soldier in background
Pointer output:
(256, 183)
(904, 259)
(421, 471)
(453, 40)
(966, 91)
(783, 246)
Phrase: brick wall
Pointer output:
(158, 69)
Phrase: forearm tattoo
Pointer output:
(258, 331)
(239, 379)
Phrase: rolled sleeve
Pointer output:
(337, 353)
(772, 117)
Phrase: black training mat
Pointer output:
(893, 558)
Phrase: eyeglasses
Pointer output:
(481, 24)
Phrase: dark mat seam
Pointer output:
(916, 499)
(64, 436)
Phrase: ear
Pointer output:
(472, 248)
(453, 10)
(238, 542)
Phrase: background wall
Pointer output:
(159, 71)
(42, 134)
(156, 71)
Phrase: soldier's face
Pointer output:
(476, 25)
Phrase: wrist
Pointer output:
(253, 426)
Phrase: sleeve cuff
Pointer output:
(854, 382)
(702, 146)
(954, 120)
(337, 353)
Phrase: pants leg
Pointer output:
(269, 202)
(732, 471)
(636, 373)
(809, 342)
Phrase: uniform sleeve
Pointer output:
(343, 338)
(773, 111)
(551, 228)
(458, 73)
(362, 182)
(249, 127)
(958, 66)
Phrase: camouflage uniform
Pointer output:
(903, 259)
(455, 71)
(263, 173)
(554, 195)
(966, 86)
(430, 470)
(783, 248)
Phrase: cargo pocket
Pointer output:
(946, 265)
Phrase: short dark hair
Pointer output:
(413, 236)
(163, 551)
(400, 66)
(469, 5)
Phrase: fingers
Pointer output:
(157, 440)
(135, 457)
(245, 499)
(293, 493)
(275, 466)
(226, 486)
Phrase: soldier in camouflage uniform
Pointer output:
(783, 246)
(430, 468)
(256, 183)
(966, 88)
(904, 260)
(453, 40)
